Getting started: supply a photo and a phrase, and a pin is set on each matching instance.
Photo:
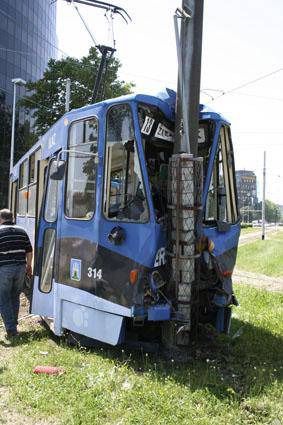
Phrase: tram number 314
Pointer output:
(94, 273)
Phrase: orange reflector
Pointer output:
(133, 276)
(227, 274)
(26, 195)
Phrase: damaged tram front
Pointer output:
(108, 197)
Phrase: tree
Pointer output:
(5, 138)
(47, 95)
(272, 211)
(24, 139)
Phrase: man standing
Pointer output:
(15, 261)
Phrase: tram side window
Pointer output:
(34, 158)
(51, 204)
(23, 188)
(221, 202)
(14, 198)
(81, 175)
(125, 198)
(47, 260)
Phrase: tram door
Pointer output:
(77, 243)
(43, 288)
(126, 235)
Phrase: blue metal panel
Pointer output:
(79, 311)
(223, 241)
(42, 303)
(207, 113)
(77, 296)
(159, 312)
(92, 323)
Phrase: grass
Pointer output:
(263, 257)
(246, 230)
(231, 381)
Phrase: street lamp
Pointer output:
(20, 82)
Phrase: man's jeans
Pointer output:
(11, 285)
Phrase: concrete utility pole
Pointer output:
(189, 46)
(263, 197)
(68, 95)
(22, 82)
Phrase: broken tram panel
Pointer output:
(102, 207)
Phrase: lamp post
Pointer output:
(21, 82)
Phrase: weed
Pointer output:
(233, 380)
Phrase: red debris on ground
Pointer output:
(49, 370)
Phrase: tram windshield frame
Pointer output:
(157, 135)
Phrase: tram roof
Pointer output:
(165, 100)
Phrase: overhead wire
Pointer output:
(29, 99)
(257, 132)
(278, 99)
(224, 93)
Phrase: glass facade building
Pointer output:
(247, 194)
(27, 41)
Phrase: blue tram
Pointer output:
(92, 193)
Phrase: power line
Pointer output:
(238, 149)
(257, 132)
(150, 78)
(224, 93)
(277, 99)
(28, 99)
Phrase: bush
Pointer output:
(246, 225)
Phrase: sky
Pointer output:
(242, 42)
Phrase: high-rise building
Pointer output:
(27, 41)
(247, 189)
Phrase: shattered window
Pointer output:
(157, 134)
(125, 198)
(221, 202)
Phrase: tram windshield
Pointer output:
(125, 198)
(157, 139)
(221, 202)
(205, 139)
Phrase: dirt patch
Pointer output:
(258, 280)
(24, 314)
(256, 235)
(9, 415)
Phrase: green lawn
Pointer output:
(265, 257)
(250, 230)
(232, 380)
